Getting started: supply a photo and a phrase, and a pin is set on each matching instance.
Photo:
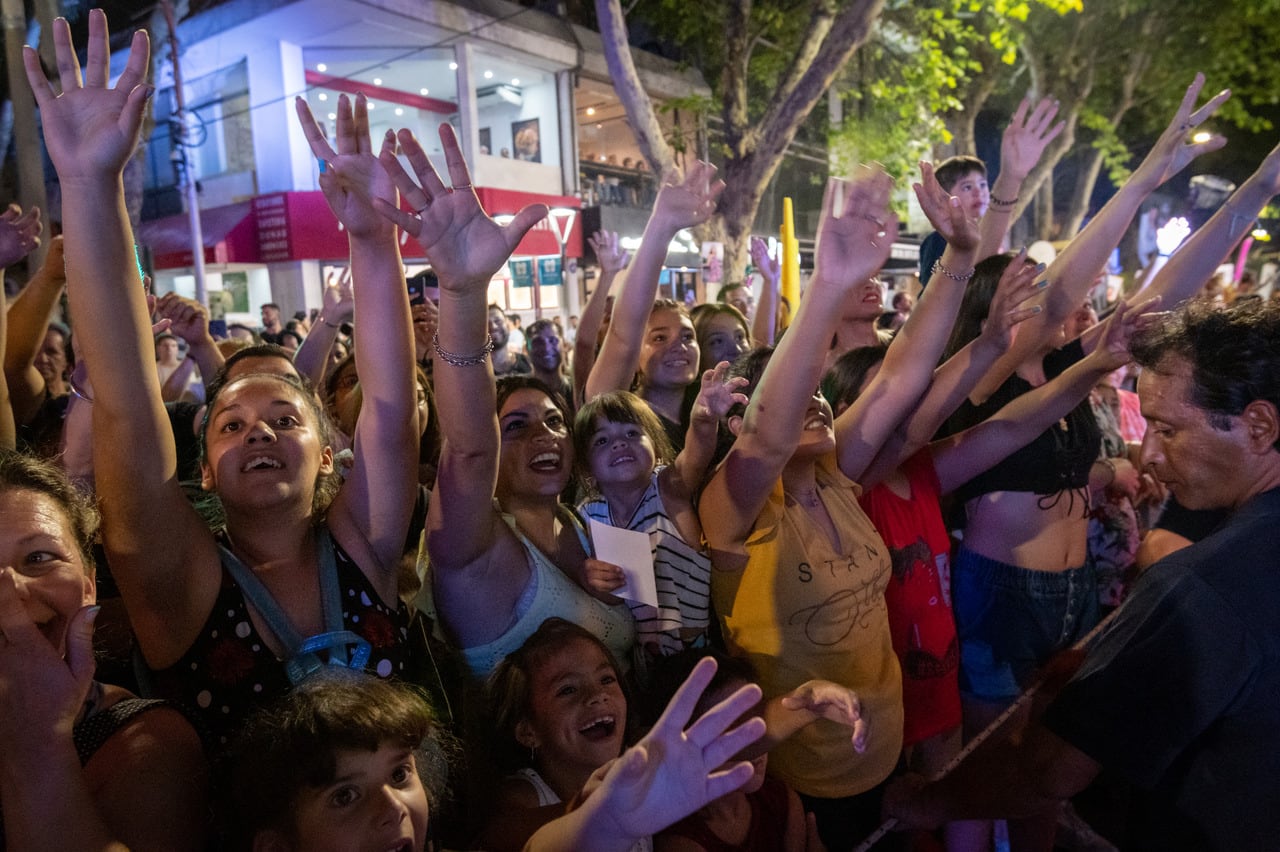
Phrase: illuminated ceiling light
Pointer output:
(377, 81)
(453, 66)
(602, 156)
(322, 96)
(599, 127)
(488, 75)
(333, 116)
(322, 68)
(1201, 137)
(515, 81)
(399, 111)
(591, 110)
(372, 105)
(423, 92)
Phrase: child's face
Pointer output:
(577, 711)
(376, 803)
(620, 453)
(973, 193)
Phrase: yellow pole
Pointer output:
(790, 249)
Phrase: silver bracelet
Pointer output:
(954, 276)
(455, 360)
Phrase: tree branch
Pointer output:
(626, 82)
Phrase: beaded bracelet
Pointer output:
(954, 276)
(454, 360)
(1000, 202)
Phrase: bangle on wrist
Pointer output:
(456, 360)
(78, 391)
(938, 266)
(1000, 202)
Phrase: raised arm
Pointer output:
(613, 260)
(1021, 147)
(1074, 270)
(1191, 265)
(19, 236)
(90, 131)
(853, 243)
(679, 205)
(466, 248)
(28, 322)
(908, 366)
(960, 457)
(371, 511)
(312, 357)
(764, 327)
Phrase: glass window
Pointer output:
(217, 136)
(517, 110)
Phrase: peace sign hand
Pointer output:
(1173, 151)
(464, 245)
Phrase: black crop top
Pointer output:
(1058, 459)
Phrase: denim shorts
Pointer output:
(1011, 620)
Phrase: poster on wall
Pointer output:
(526, 138)
(486, 140)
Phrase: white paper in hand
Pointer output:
(630, 551)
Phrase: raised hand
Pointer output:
(611, 257)
(353, 177)
(90, 130)
(854, 237)
(1027, 136)
(19, 234)
(464, 245)
(718, 394)
(673, 772)
(684, 203)
(945, 212)
(1174, 150)
(768, 266)
(831, 701)
(1020, 281)
(1112, 349)
(338, 299)
(188, 318)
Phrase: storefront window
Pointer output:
(517, 110)
(413, 87)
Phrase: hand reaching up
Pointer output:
(188, 318)
(90, 130)
(19, 234)
(338, 299)
(1174, 150)
(611, 257)
(689, 201)
(945, 212)
(1112, 349)
(464, 245)
(855, 235)
(353, 177)
(718, 394)
(1028, 135)
(768, 266)
(1021, 280)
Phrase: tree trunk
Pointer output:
(1082, 193)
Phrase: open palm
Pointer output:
(352, 176)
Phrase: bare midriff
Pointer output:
(1033, 531)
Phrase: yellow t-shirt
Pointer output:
(804, 609)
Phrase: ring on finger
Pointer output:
(459, 187)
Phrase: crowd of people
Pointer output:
(735, 577)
